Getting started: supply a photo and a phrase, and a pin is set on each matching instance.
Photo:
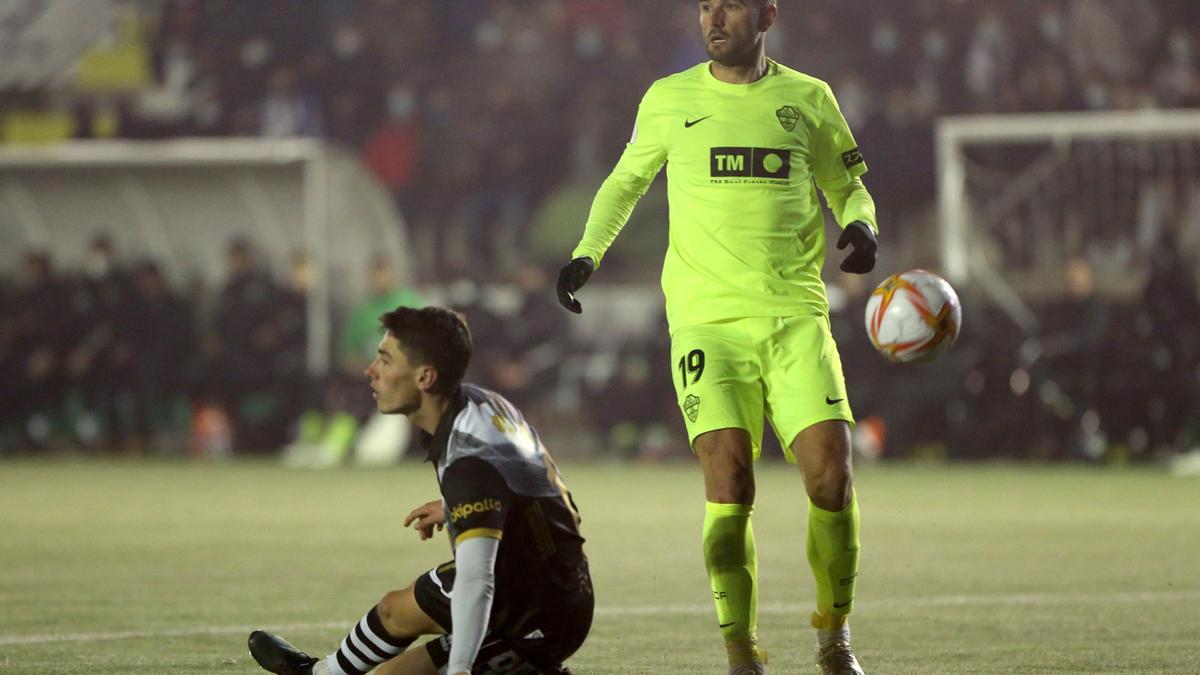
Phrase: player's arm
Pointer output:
(426, 517)
(478, 500)
(855, 212)
(852, 203)
(641, 161)
(838, 167)
(471, 602)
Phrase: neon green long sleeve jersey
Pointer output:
(744, 162)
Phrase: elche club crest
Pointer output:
(788, 116)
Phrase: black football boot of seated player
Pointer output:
(278, 656)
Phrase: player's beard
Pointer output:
(733, 54)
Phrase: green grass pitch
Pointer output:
(128, 567)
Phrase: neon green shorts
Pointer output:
(730, 374)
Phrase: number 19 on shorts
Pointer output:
(691, 365)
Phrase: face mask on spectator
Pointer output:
(884, 38)
(1051, 26)
(347, 42)
(255, 52)
(400, 103)
(1097, 96)
(1180, 47)
(934, 45)
(97, 266)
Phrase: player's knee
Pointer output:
(727, 460)
(392, 615)
(731, 483)
(831, 489)
(735, 487)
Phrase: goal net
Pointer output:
(1019, 196)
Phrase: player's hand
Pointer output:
(426, 517)
(862, 259)
(571, 278)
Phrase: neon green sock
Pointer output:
(833, 556)
(732, 563)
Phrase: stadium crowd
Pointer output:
(527, 101)
(493, 121)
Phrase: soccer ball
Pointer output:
(913, 317)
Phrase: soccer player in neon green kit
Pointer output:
(747, 142)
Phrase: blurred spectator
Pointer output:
(289, 363)
(37, 324)
(1109, 41)
(991, 57)
(391, 151)
(10, 370)
(526, 347)
(100, 361)
(1172, 306)
(637, 417)
(245, 337)
(359, 338)
(165, 345)
(288, 110)
(1177, 81)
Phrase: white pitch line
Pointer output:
(173, 632)
(651, 610)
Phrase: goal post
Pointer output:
(180, 201)
(1018, 194)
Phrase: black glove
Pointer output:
(570, 279)
(859, 235)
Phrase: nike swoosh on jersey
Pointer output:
(832, 401)
(687, 124)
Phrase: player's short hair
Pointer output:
(762, 4)
(435, 337)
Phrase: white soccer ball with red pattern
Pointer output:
(913, 317)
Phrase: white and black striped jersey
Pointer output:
(498, 480)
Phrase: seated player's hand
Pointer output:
(571, 278)
(426, 517)
(862, 259)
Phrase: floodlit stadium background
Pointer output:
(460, 144)
(204, 204)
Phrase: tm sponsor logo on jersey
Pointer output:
(742, 165)
(469, 509)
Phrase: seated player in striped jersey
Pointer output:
(517, 598)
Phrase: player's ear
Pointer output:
(766, 16)
(427, 377)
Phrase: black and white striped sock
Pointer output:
(367, 646)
